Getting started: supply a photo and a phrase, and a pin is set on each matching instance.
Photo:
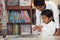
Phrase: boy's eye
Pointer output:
(44, 18)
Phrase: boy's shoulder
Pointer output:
(51, 23)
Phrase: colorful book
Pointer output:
(10, 16)
(26, 16)
(15, 29)
(6, 16)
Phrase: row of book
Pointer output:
(13, 29)
(19, 2)
(18, 29)
(18, 17)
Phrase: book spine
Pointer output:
(26, 16)
(12, 16)
(23, 17)
(17, 17)
(19, 29)
(15, 29)
(9, 30)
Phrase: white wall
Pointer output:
(55, 1)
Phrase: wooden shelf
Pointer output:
(17, 7)
(17, 23)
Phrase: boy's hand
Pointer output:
(40, 28)
(35, 28)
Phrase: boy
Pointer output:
(40, 6)
(48, 27)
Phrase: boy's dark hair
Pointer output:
(39, 2)
(47, 12)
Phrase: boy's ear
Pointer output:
(51, 18)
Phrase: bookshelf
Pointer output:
(17, 7)
(18, 17)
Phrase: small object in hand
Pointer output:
(40, 28)
(35, 28)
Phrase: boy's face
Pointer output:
(40, 7)
(46, 19)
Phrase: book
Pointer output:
(12, 2)
(15, 30)
(9, 16)
(26, 16)
(25, 2)
(19, 29)
(25, 29)
(6, 16)
(9, 30)
(13, 16)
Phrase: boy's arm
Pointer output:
(57, 33)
